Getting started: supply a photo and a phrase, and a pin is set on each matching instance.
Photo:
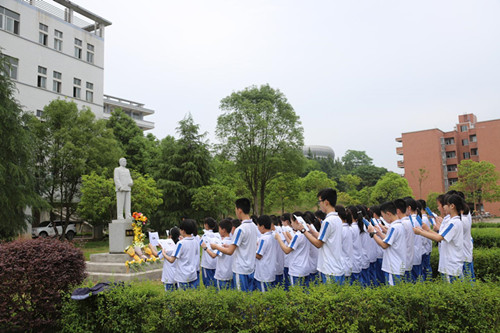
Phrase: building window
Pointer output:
(77, 88)
(89, 96)
(43, 37)
(451, 154)
(473, 138)
(90, 53)
(463, 128)
(9, 20)
(449, 141)
(41, 81)
(473, 152)
(452, 181)
(466, 155)
(58, 35)
(10, 67)
(465, 142)
(39, 113)
(57, 84)
(452, 168)
(78, 48)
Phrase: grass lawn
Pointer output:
(92, 246)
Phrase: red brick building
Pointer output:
(431, 157)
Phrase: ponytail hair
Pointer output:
(175, 233)
(459, 203)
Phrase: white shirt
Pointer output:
(357, 249)
(223, 269)
(330, 254)
(468, 245)
(426, 242)
(280, 255)
(364, 238)
(299, 257)
(187, 254)
(287, 258)
(245, 239)
(313, 255)
(206, 260)
(346, 249)
(418, 242)
(451, 256)
(168, 273)
(265, 267)
(410, 242)
(395, 255)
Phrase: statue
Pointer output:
(123, 183)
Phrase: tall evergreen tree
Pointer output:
(16, 160)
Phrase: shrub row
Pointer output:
(486, 237)
(485, 225)
(423, 307)
(486, 263)
(33, 273)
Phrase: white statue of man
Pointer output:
(123, 183)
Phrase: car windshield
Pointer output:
(44, 224)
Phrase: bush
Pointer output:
(486, 237)
(485, 225)
(33, 273)
(486, 263)
(422, 307)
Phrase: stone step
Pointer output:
(110, 257)
(112, 267)
(114, 277)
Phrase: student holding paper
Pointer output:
(208, 264)
(265, 266)
(168, 273)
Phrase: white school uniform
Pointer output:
(280, 255)
(451, 256)
(288, 229)
(186, 253)
(330, 254)
(245, 240)
(418, 243)
(346, 249)
(378, 249)
(468, 245)
(426, 242)
(299, 257)
(394, 260)
(224, 267)
(357, 249)
(168, 272)
(265, 268)
(206, 260)
(365, 239)
(313, 255)
(410, 242)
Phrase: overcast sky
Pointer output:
(358, 73)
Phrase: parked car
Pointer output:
(46, 229)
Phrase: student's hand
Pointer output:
(371, 228)
(212, 245)
(277, 236)
(384, 228)
(417, 230)
(425, 227)
(225, 245)
(203, 245)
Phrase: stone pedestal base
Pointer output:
(121, 235)
(111, 267)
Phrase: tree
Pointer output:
(146, 197)
(214, 200)
(432, 202)
(390, 187)
(283, 191)
(17, 189)
(311, 185)
(353, 159)
(423, 174)
(369, 174)
(350, 182)
(184, 165)
(260, 131)
(69, 144)
(478, 181)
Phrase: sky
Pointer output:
(358, 73)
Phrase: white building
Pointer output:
(56, 51)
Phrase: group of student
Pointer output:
(382, 244)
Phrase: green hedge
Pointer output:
(486, 263)
(486, 237)
(485, 225)
(422, 307)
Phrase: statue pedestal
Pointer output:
(121, 235)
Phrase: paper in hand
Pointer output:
(153, 238)
(167, 244)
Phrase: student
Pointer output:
(369, 248)
(186, 254)
(223, 269)
(329, 239)
(450, 236)
(346, 240)
(468, 244)
(208, 263)
(265, 266)
(426, 244)
(314, 225)
(376, 218)
(168, 273)
(287, 233)
(243, 247)
(394, 244)
(320, 216)
(280, 256)
(357, 255)
(412, 212)
(401, 209)
(298, 253)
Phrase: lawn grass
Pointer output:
(92, 246)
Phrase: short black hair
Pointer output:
(320, 214)
(375, 210)
(388, 207)
(236, 223)
(422, 203)
(243, 204)
(175, 234)
(410, 202)
(328, 194)
(226, 224)
(401, 205)
(212, 224)
(189, 226)
(285, 217)
(342, 212)
(264, 220)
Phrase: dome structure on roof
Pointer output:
(318, 151)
